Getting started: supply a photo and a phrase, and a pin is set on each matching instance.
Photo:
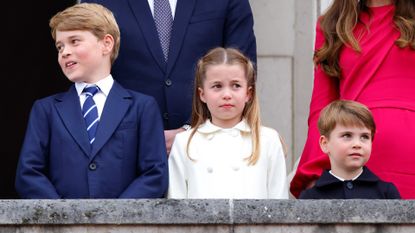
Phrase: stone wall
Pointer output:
(285, 40)
(227, 216)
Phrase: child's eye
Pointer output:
(75, 41)
(216, 86)
(346, 135)
(236, 85)
(365, 137)
(59, 48)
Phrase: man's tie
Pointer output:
(164, 22)
(90, 112)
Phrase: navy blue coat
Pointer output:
(366, 186)
(126, 160)
(199, 25)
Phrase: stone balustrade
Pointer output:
(221, 215)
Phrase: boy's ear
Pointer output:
(323, 144)
(201, 94)
(108, 44)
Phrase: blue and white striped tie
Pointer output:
(90, 112)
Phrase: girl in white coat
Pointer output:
(226, 153)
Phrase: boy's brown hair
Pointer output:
(88, 17)
(346, 113)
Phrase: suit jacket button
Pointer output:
(165, 116)
(168, 82)
(92, 166)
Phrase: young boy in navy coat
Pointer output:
(82, 144)
(347, 129)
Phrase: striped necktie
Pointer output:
(90, 112)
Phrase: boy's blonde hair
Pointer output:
(88, 17)
(346, 113)
(200, 111)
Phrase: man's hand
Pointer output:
(169, 135)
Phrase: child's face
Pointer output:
(348, 148)
(225, 91)
(82, 56)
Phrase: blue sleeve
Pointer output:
(32, 179)
(152, 180)
(239, 28)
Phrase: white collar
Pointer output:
(208, 127)
(104, 85)
(342, 179)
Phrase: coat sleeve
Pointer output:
(239, 28)
(152, 167)
(277, 176)
(177, 169)
(313, 161)
(32, 179)
(392, 192)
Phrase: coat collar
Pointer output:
(184, 11)
(327, 179)
(116, 106)
(118, 102)
(208, 127)
(69, 109)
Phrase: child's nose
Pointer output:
(227, 93)
(357, 143)
(65, 51)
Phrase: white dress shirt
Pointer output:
(218, 168)
(100, 97)
(173, 4)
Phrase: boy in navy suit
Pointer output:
(98, 140)
(347, 129)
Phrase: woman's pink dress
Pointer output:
(382, 77)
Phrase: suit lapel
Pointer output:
(116, 106)
(184, 10)
(69, 110)
(145, 20)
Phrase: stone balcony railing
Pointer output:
(223, 216)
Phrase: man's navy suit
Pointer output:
(199, 25)
(126, 160)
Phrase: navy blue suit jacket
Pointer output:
(199, 25)
(127, 159)
(366, 186)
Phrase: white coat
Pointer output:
(219, 168)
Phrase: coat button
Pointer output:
(209, 170)
(92, 166)
(349, 185)
(168, 82)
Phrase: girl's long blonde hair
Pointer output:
(251, 112)
(341, 18)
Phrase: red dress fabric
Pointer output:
(381, 76)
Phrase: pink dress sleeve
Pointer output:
(313, 160)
